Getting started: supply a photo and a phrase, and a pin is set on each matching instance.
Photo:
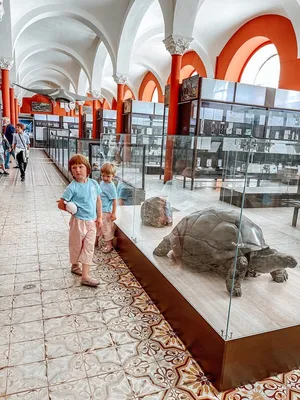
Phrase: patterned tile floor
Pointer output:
(59, 340)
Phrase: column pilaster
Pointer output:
(12, 106)
(120, 81)
(6, 65)
(176, 46)
(80, 122)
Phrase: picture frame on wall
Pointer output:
(37, 106)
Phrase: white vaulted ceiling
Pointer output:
(82, 43)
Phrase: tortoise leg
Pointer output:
(240, 272)
(163, 248)
(280, 275)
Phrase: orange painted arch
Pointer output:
(128, 94)
(148, 86)
(250, 37)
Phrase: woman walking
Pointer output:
(21, 148)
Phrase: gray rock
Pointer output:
(156, 212)
(207, 240)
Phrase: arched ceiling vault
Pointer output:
(46, 47)
(42, 67)
(59, 10)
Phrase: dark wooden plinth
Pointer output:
(227, 364)
(257, 200)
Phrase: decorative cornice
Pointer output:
(6, 63)
(120, 79)
(177, 44)
(95, 93)
(80, 103)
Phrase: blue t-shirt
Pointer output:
(108, 195)
(84, 195)
(125, 192)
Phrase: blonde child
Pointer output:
(85, 193)
(109, 205)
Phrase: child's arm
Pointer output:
(99, 211)
(114, 210)
(61, 204)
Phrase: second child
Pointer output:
(109, 205)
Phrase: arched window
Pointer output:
(263, 68)
(155, 96)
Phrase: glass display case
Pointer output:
(72, 124)
(143, 121)
(106, 122)
(87, 126)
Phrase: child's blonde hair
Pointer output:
(108, 169)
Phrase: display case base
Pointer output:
(260, 197)
(226, 363)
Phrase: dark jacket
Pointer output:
(9, 133)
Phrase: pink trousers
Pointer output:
(107, 231)
(82, 238)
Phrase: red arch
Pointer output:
(105, 105)
(128, 93)
(148, 85)
(194, 62)
(114, 104)
(255, 33)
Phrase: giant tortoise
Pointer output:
(208, 240)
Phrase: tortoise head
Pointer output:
(268, 260)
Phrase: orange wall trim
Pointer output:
(147, 87)
(250, 37)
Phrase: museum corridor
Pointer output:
(60, 340)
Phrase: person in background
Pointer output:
(9, 134)
(109, 206)
(3, 145)
(21, 149)
(85, 194)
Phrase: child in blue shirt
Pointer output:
(85, 193)
(109, 205)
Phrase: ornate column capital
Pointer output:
(80, 103)
(176, 44)
(6, 63)
(95, 93)
(120, 79)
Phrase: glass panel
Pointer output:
(142, 107)
(215, 89)
(268, 238)
(250, 94)
(96, 161)
(287, 99)
(83, 147)
(65, 153)
(196, 171)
